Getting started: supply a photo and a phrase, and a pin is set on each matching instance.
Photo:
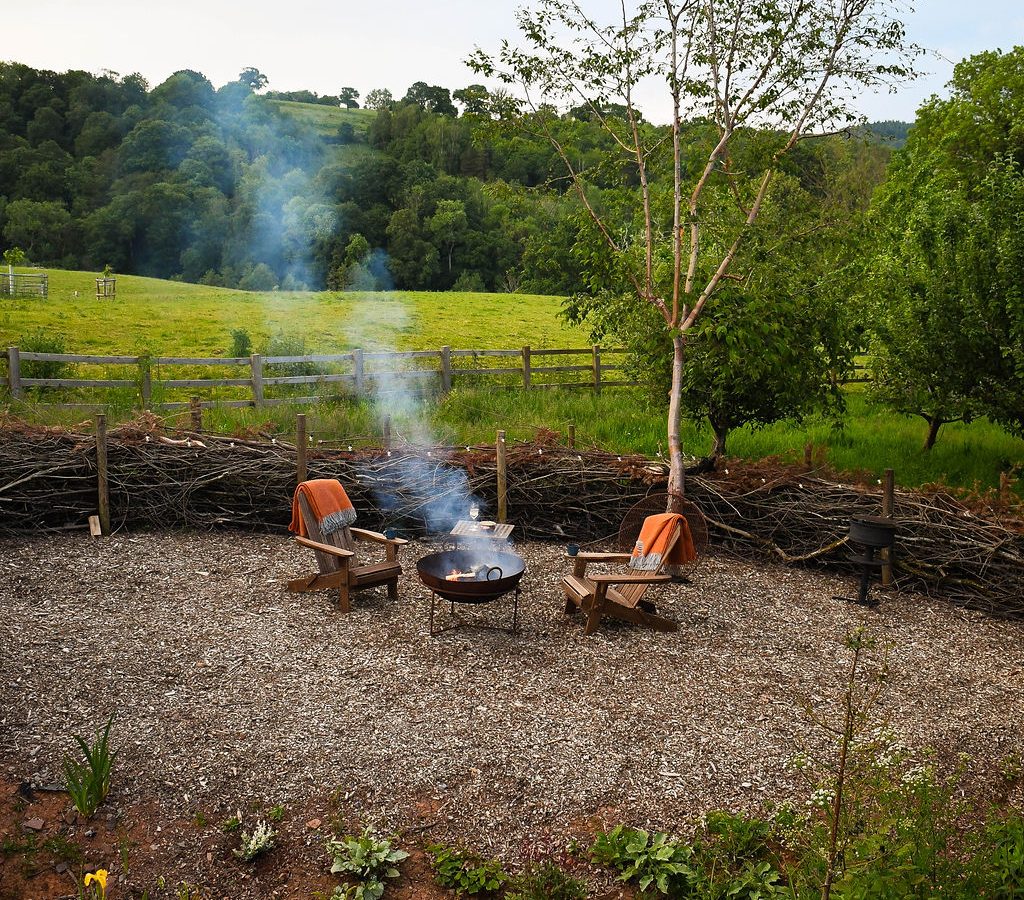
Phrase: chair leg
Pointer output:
(393, 590)
(596, 609)
(571, 604)
(344, 601)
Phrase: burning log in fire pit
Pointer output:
(477, 575)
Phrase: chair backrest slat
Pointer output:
(342, 538)
(631, 593)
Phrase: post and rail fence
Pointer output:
(358, 372)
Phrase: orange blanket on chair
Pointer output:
(329, 503)
(649, 552)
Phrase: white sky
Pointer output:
(323, 45)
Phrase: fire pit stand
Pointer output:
(870, 533)
(483, 579)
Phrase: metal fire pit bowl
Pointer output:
(501, 576)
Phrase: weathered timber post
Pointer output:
(572, 436)
(359, 372)
(809, 456)
(597, 369)
(195, 408)
(256, 363)
(888, 502)
(387, 432)
(1005, 487)
(14, 372)
(446, 370)
(102, 479)
(499, 455)
(300, 447)
(526, 367)
(146, 382)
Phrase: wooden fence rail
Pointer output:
(363, 372)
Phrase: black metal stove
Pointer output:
(869, 534)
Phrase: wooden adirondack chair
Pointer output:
(337, 560)
(619, 595)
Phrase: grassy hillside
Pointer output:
(325, 119)
(175, 318)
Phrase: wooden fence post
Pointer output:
(146, 381)
(572, 436)
(446, 370)
(195, 408)
(597, 369)
(499, 455)
(256, 362)
(359, 371)
(102, 479)
(526, 367)
(809, 456)
(387, 432)
(300, 447)
(888, 498)
(14, 372)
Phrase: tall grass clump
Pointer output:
(89, 780)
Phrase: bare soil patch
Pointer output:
(230, 694)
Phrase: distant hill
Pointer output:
(325, 120)
(342, 131)
(892, 133)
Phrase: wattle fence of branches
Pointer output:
(48, 481)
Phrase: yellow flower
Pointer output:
(100, 877)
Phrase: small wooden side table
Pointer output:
(467, 528)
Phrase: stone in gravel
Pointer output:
(313, 824)
(35, 824)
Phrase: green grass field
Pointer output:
(162, 318)
(325, 119)
(167, 318)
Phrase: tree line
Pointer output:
(468, 190)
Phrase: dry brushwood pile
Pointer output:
(971, 554)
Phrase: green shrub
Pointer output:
(465, 872)
(546, 881)
(282, 344)
(41, 341)
(470, 281)
(651, 860)
(366, 858)
(241, 343)
(998, 864)
(89, 781)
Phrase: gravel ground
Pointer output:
(226, 688)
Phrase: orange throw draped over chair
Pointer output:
(664, 542)
(321, 519)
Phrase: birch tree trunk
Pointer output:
(676, 469)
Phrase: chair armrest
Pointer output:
(324, 548)
(363, 534)
(580, 560)
(629, 579)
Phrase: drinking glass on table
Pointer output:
(474, 512)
